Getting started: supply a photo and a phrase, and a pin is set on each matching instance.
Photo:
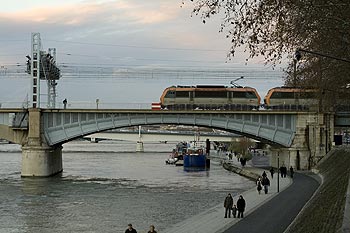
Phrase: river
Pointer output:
(105, 186)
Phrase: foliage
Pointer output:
(241, 146)
(276, 28)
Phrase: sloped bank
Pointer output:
(325, 212)
(241, 171)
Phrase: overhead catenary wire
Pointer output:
(138, 46)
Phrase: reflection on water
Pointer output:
(108, 187)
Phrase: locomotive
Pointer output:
(209, 97)
(289, 98)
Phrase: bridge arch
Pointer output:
(61, 126)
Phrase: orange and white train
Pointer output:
(209, 97)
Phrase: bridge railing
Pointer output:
(80, 105)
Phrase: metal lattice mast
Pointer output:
(51, 82)
(35, 69)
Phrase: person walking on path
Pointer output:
(240, 206)
(291, 170)
(234, 211)
(272, 171)
(259, 185)
(228, 205)
(264, 175)
(151, 229)
(266, 183)
(283, 170)
(130, 229)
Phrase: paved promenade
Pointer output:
(277, 214)
(213, 219)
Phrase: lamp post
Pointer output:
(278, 171)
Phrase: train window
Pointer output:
(238, 94)
(170, 94)
(250, 95)
(282, 95)
(211, 94)
(182, 94)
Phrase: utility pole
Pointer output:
(278, 171)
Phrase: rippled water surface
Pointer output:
(105, 186)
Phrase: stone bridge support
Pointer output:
(39, 159)
(313, 139)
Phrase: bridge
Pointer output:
(41, 132)
(299, 139)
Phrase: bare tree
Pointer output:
(277, 28)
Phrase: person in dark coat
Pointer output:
(130, 229)
(234, 211)
(291, 170)
(264, 174)
(266, 183)
(272, 171)
(65, 103)
(228, 205)
(151, 229)
(243, 161)
(259, 185)
(283, 170)
(240, 206)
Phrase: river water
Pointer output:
(105, 186)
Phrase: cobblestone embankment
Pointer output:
(324, 213)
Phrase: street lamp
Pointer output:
(278, 171)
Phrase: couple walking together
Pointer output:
(264, 182)
(230, 206)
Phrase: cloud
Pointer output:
(85, 12)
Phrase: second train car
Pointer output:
(289, 98)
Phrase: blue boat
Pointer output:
(195, 158)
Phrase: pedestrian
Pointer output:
(240, 206)
(243, 161)
(264, 174)
(228, 205)
(151, 229)
(291, 170)
(266, 183)
(283, 171)
(65, 103)
(234, 210)
(130, 229)
(272, 172)
(259, 185)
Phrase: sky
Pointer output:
(120, 51)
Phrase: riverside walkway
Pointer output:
(278, 213)
(212, 220)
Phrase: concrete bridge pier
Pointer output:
(41, 160)
(38, 158)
